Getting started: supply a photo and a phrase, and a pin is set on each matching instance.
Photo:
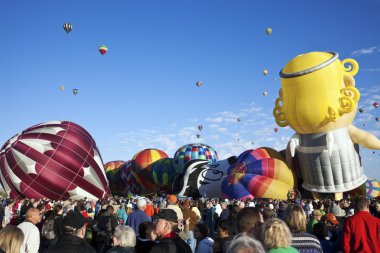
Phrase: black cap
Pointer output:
(74, 220)
(167, 214)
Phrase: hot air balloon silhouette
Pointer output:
(67, 27)
(375, 105)
(103, 49)
(75, 91)
(198, 84)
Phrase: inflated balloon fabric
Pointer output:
(55, 160)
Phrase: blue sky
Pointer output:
(142, 93)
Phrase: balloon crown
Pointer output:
(313, 69)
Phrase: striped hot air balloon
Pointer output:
(113, 173)
(67, 27)
(54, 160)
(103, 49)
(142, 166)
(260, 173)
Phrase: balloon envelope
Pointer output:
(54, 160)
(102, 49)
(113, 173)
(260, 173)
(193, 151)
(67, 27)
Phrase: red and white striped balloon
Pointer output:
(55, 160)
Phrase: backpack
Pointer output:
(48, 229)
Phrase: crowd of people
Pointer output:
(168, 224)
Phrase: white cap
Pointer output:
(141, 202)
(130, 205)
(271, 206)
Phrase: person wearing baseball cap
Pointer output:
(169, 242)
(72, 241)
(330, 218)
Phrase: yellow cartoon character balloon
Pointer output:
(318, 100)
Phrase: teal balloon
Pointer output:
(163, 173)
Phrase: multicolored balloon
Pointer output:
(67, 27)
(113, 173)
(163, 174)
(129, 180)
(54, 160)
(103, 49)
(375, 105)
(260, 173)
(370, 189)
(193, 151)
(265, 72)
(141, 164)
(268, 31)
(198, 84)
(75, 91)
(265, 93)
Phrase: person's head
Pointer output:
(33, 215)
(223, 229)
(172, 200)
(200, 231)
(74, 224)
(58, 209)
(11, 239)
(317, 215)
(167, 219)
(224, 205)
(276, 234)
(248, 218)
(109, 209)
(245, 244)
(141, 204)
(268, 213)
(124, 236)
(295, 218)
(331, 219)
(362, 203)
(81, 207)
(186, 203)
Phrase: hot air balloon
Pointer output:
(193, 151)
(238, 119)
(265, 93)
(198, 136)
(67, 27)
(275, 129)
(113, 173)
(129, 180)
(200, 127)
(370, 189)
(103, 49)
(198, 84)
(55, 160)
(75, 91)
(163, 174)
(265, 72)
(142, 162)
(61, 87)
(377, 119)
(375, 105)
(268, 31)
(260, 173)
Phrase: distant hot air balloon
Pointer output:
(68, 27)
(276, 129)
(61, 87)
(103, 49)
(377, 119)
(265, 72)
(252, 143)
(375, 105)
(274, 79)
(238, 119)
(268, 31)
(200, 127)
(265, 93)
(198, 84)
(75, 91)
(198, 136)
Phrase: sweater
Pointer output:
(361, 233)
(305, 242)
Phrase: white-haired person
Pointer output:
(276, 236)
(138, 216)
(244, 243)
(124, 240)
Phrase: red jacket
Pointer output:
(361, 233)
